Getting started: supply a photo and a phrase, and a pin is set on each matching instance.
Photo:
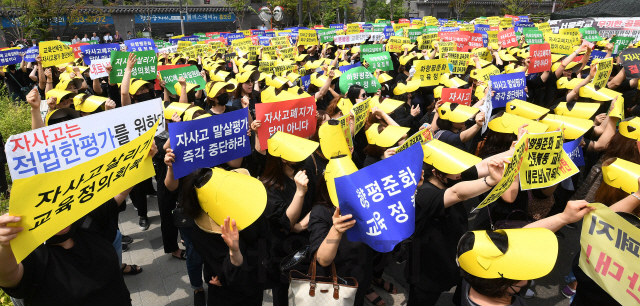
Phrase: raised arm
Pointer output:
(466, 190)
(125, 99)
(574, 212)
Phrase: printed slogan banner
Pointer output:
(421, 136)
(360, 76)
(70, 194)
(296, 117)
(209, 142)
(508, 87)
(381, 199)
(603, 72)
(55, 52)
(458, 62)
(190, 73)
(380, 61)
(457, 95)
(141, 44)
(574, 151)
(604, 26)
(97, 68)
(546, 162)
(631, 62)
(144, 68)
(95, 52)
(609, 254)
(67, 144)
(429, 71)
(560, 44)
(540, 58)
(360, 112)
(10, 57)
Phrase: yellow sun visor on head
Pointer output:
(178, 88)
(621, 174)
(630, 128)
(188, 114)
(388, 137)
(455, 82)
(214, 89)
(479, 92)
(332, 140)
(531, 254)
(583, 110)
(337, 167)
(506, 56)
(248, 75)
(508, 123)
(175, 107)
(59, 94)
(437, 92)
(573, 127)
(230, 194)
(447, 158)
(290, 147)
(457, 113)
(525, 109)
(384, 78)
(345, 105)
(135, 85)
(387, 105)
(91, 104)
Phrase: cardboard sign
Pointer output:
(10, 57)
(351, 39)
(209, 142)
(380, 61)
(573, 33)
(476, 40)
(353, 28)
(546, 163)
(508, 87)
(631, 62)
(485, 73)
(395, 43)
(70, 194)
(429, 71)
(141, 44)
(446, 47)
(620, 43)
(326, 35)
(94, 52)
(603, 72)
(144, 68)
(421, 136)
(54, 53)
(457, 95)
(307, 38)
(560, 44)
(97, 68)
(508, 38)
(370, 49)
(533, 36)
(381, 199)
(190, 73)
(458, 61)
(574, 151)
(540, 58)
(296, 117)
(590, 34)
(360, 76)
(360, 113)
(31, 54)
(414, 34)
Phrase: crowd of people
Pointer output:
(77, 266)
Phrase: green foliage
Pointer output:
(15, 117)
(4, 299)
(517, 7)
(380, 9)
(139, 34)
(475, 12)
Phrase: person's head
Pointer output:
(75, 36)
(496, 142)
(58, 38)
(86, 35)
(11, 67)
(356, 94)
(117, 33)
(619, 147)
(189, 197)
(94, 34)
(217, 93)
(139, 91)
(128, 32)
(264, 25)
(446, 179)
(65, 102)
(274, 172)
(333, 110)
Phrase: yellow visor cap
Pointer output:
(400, 89)
(135, 85)
(405, 59)
(532, 253)
(457, 114)
(583, 110)
(188, 114)
(175, 107)
(337, 167)
(248, 75)
(384, 78)
(387, 106)
(447, 158)
(630, 128)
(556, 57)
(332, 140)
(58, 93)
(178, 87)
(277, 82)
(230, 194)
(388, 137)
(214, 89)
(292, 76)
(290, 147)
(437, 92)
(268, 95)
(91, 104)
(455, 82)
(78, 99)
(413, 85)
(621, 174)
(525, 109)
(573, 127)
(479, 93)
(345, 105)
(508, 123)
(506, 56)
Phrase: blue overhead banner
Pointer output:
(140, 44)
(381, 199)
(508, 87)
(191, 17)
(208, 142)
(94, 52)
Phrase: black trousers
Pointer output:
(138, 197)
(166, 204)
(419, 297)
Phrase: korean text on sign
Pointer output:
(297, 117)
(508, 87)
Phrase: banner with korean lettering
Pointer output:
(381, 199)
(458, 61)
(604, 26)
(64, 145)
(10, 57)
(371, 49)
(620, 43)
(508, 38)
(574, 151)
(359, 76)
(71, 194)
(603, 73)
(421, 136)
(54, 52)
(457, 95)
(141, 44)
(560, 44)
(533, 36)
(609, 252)
(297, 117)
(429, 71)
(31, 54)
(326, 35)
(307, 38)
(94, 52)
(345, 124)
(540, 58)
(97, 68)
(144, 68)
(209, 142)
(508, 87)
(546, 163)
(360, 113)
(76, 48)
(351, 39)
(380, 61)
(631, 62)
(190, 73)
(509, 174)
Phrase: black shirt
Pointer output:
(466, 301)
(589, 292)
(16, 80)
(227, 109)
(451, 138)
(404, 118)
(86, 274)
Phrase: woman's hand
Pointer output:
(480, 118)
(183, 82)
(52, 102)
(230, 235)
(388, 153)
(342, 223)
(109, 104)
(255, 125)
(33, 98)
(575, 211)
(215, 281)
(302, 181)
(245, 101)
(169, 158)
(8, 233)
(415, 110)
(108, 68)
(47, 74)
(496, 168)
(132, 60)
(175, 117)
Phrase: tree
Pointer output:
(459, 6)
(239, 8)
(380, 9)
(518, 7)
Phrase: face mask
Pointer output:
(143, 97)
(449, 183)
(523, 290)
(299, 166)
(223, 99)
(62, 238)
(11, 67)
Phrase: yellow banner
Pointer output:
(353, 28)
(55, 52)
(609, 254)
(280, 41)
(269, 50)
(451, 23)
(267, 66)
(560, 44)
(419, 23)
(460, 61)
(484, 73)
(288, 53)
(467, 27)
(395, 43)
(445, 47)
(543, 27)
(421, 136)
(397, 26)
(307, 38)
(603, 72)
(242, 42)
(429, 71)
(246, 32)
(506, 23)
(482, 21)
(345, 124)
(493, 37)
(574, 33)
(494, 21)
(546, 163)
(509, 175)
(49, 202)
(360, 113)
(183, 44)
(483, 53)
(216, 44)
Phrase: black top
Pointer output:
(227, 109)
(403, 118)
(86, 274)
(432, 266)
(370, 160)
(451, 138)
(401, 78)
(550, 89)
(16, 80)
(466, 301)
(353, 259)
(241, 285)
(589, 292)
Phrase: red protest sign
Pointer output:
(297, 117)
(508, 38)
(404, 20)
(457, 95)
(211, 34)
(514, 18)
(76, 49)
(540, 58)
(475, 40)
(220, 39)
(254, 40)
(162, 68)
(461, 38)
(495, 28)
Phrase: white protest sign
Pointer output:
(171, 49)
(487, 108)
(376, 36)
(70, 143)
(97, 70)
(350, 39)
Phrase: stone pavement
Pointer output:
(164, 280)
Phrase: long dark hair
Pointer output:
(237, 94)
(622, 147)
(333, 109)
(189, 198)
(354, 93)
(375, 150)
(273, 176)
(322, 194)
(496, 142)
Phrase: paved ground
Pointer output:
(164, 280)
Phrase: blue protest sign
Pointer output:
(482, 27)
(10, 57)
(508, 87)
(233, 36)
(367, 27)
(519, 25)
(346, 68)
(574, 150)
(388, 32)
(338, 26)
(264, 40)
(96, 52)
(442, 21)
(596, 54)
(485, 36)
(190, 38)
(305, 82)
(209, 142)
(140, 44)
(270, 34)
(32, 53)
(449, 29)
(523, 18)
(381, 199)
(257, 32)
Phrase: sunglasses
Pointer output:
(364, 95)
